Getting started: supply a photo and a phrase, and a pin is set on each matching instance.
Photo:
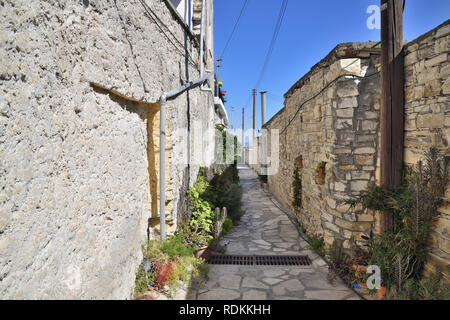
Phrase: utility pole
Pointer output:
(254, 105)
(263, 107)
(231, 124)
(243, 142)
(392, 95)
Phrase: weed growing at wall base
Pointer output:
(166, 265)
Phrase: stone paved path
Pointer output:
(265, 229)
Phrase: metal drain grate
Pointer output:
(260, 260)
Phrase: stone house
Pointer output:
(80, 83)
(331, 119)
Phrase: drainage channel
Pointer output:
(260, 260)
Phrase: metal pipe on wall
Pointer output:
(202, 45)
(166, 96)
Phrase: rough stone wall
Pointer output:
(74, 167)
(338, 126)
(341, 126)
(427, 118)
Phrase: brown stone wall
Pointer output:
(427, 121)
(339, 126)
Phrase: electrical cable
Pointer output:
(150, 13)
(234, 29)
(321, 91)
(273, 41)
(271, 47)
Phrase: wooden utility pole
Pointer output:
(254, 105)
(243, 142)
(392, 99)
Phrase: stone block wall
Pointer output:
(427, 119)
(75, 172)
(338, 125)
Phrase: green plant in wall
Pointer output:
(320, 173)
(202, 217)
(297, 188)
(401, 252)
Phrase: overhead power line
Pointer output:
(273, 41)
(152, 15)
(271, 46)
(234, 29)
(322, 90)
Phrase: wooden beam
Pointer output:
(392, 98)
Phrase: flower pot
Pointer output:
(359, 269)
(320, 176)
(299, 161)
(203, 252)
(320, 180)
(381, 292)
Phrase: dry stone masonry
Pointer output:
(427, 118)
(340, 126)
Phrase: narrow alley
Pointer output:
(198, 150)
(266, 230)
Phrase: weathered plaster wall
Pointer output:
(338, 126)
(427, 118)
(74, 167)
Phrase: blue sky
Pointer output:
(310, 30)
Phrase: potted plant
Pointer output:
(320, 173)
(382, 290)
(360, 274)
(203, 252)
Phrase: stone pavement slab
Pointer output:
(266, 230)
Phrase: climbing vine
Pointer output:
(297, 186)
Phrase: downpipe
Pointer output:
(166, 96)
(202, 35)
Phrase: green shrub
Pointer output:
(202, 213)
(175, 246)
(227, 225)
(431, 288)
(401, 251)
(317, 244)
(224, 191)
(158, 254)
